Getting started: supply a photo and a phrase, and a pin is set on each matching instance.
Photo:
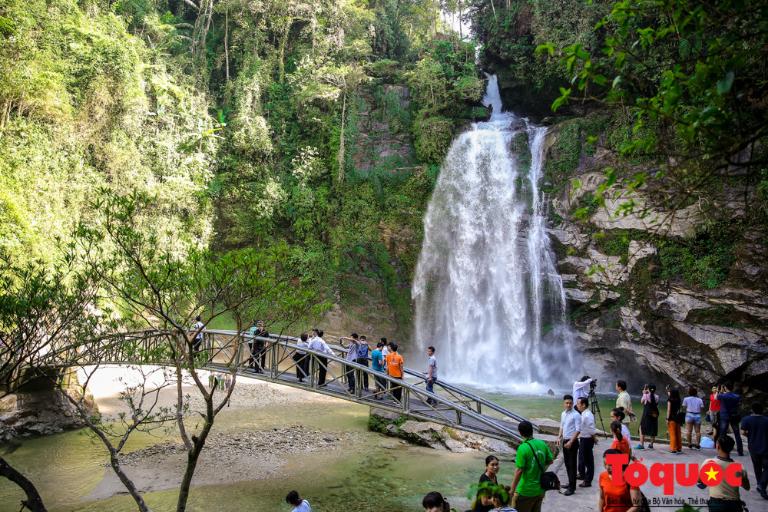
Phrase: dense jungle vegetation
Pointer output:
(320, 124)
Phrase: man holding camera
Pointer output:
(581, 388)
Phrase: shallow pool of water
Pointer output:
(381, 474)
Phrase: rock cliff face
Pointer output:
(658, 294)
(41, 409)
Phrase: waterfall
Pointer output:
(487, 292)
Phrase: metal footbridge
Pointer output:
(229, 352)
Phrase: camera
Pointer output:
(593, 385)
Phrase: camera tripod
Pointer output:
(594, 406)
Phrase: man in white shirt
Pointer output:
(587, 433)
(385, 351)
(568, 437)
(431, 377)
(197, 330)
(581, 387)
(318, 344)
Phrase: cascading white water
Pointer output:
(487, 293)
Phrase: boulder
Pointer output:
(642, 217)
(433, 435)
(546, 425)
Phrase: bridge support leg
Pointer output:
(312, 370)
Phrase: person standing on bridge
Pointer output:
(302, 361)
(317, 343)
(377, 363)
(384, 350)
(258, 352)
(362, 358)
(354, 343)
(395, 365)
(431, 373)
(197, 329)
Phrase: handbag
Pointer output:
(548, 480)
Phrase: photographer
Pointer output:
(581, 388)
(649, 422)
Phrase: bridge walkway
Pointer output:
(225, 351)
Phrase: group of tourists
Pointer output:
(384, 359)
(578, 434)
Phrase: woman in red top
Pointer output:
(615, 497)
(620, 442)
(714, 412)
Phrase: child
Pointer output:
(434, 502)
(500, 498)
(299, 505)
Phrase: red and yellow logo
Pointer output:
(667, 475)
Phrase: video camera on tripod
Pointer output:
(594, 405)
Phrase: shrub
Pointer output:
(433, 137)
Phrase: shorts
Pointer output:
(693, 417)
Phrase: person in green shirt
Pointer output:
(526, 489)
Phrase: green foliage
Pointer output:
(704, 261)
(433, 136)
(514, 34)
(386, 69)
(85, 105)
(613, 243)
(685, 77)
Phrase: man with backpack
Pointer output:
(362, 358)
(532, 459)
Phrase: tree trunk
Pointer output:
(341, 136)
(226, 43)
(33, 502)
(283, 44)
(180, 408)
(127, 482)
(192, 457)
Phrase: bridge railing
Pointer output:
(287, 363)
(284, 358)
(470, 400)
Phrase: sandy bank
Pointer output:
(230, 454)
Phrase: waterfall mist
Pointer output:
(487, 293)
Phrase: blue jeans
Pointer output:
(430, 386)
(733, 422)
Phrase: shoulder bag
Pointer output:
(548, 480)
